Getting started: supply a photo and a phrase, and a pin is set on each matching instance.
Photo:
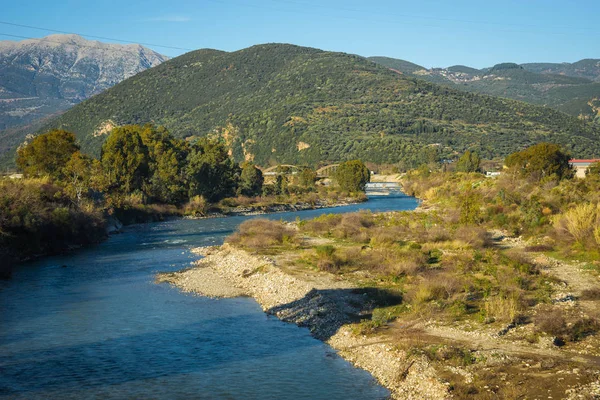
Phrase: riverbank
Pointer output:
(273, 209)
(324, 303)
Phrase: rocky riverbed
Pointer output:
(323, 303)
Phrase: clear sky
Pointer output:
(432, 33)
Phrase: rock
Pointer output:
(113, 225)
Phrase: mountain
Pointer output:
(588, 68)
(402, 66)
(42, 77)
(570, 88)
(284, 103)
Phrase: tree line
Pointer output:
(150, 162)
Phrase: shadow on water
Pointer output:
(325, 311)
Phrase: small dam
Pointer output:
(382, 188)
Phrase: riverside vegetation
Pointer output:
(143, 174)
(497, 277)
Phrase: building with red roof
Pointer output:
(581, 166)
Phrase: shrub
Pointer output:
(502, 308)
(262, 233)
(550, 321)
(583, 328)
(197, 205)
(581, 222)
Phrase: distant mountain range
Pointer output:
(283, 103)
(43, 77)
(571, 88)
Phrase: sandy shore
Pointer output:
(323, 303)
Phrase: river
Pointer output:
(93, 324)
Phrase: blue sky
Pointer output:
(427, 32)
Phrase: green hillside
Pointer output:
(284, 103)
(587, 68)
(569, 89)
(406, 67)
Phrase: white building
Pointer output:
(581, 166)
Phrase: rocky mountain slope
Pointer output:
(42, 77)
(570, 88)
(284, 103)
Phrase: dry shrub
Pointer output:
(261, 233)
(322, 225)
(458, 261)
(474, 236)
(438, 233)
(539, 248)
(521, 262)
(355, 227)
(437, 287)
(581, 222)
(591, 294)
(550, 321)
(394, 261)
(196, 206)
(583, 328)
(502, 308)
(386, 235)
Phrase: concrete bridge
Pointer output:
(288, 169)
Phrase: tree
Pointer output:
(251, 180)
(125, 159)
(543, 160)
(47, 154)
(211, 172)
(281, 185)
(166, 162)
(352, 176)
(81, 174)
(307, 178)
(468, 162)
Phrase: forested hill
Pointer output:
(570, 88)
(284, 103)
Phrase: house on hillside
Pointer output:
(581, 166)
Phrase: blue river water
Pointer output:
(93, 325)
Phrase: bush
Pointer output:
(502, 308)
(582, 222)
(37, 218)
(550, 321)
(262, 233)
(196, 206)
(583, 328)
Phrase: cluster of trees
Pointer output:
(151, 165)
(142, 160)
(541, 161)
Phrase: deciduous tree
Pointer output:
(47, 154)
(543, 160)
(352, 176)
(125, 159)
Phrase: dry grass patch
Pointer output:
(259, 234)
